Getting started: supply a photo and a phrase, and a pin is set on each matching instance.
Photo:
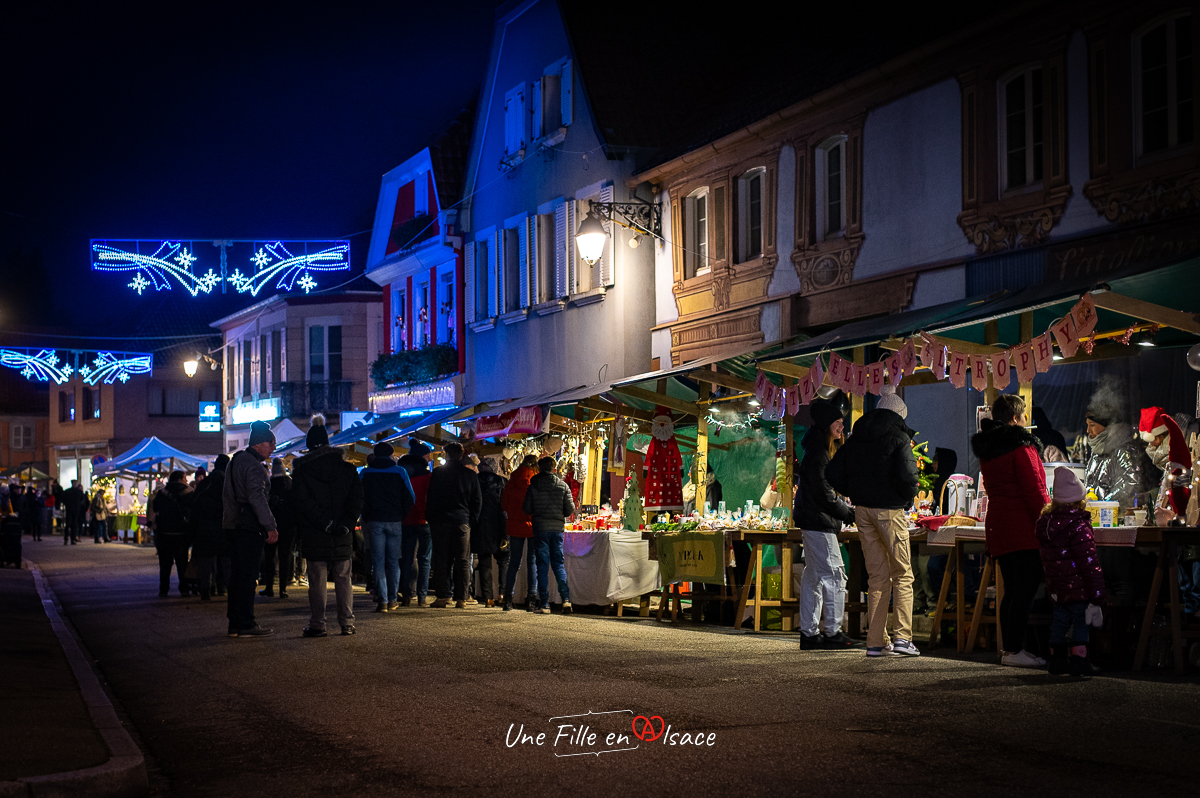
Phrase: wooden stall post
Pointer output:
(856, 401)
(701, 459)
(785, 493)
(1027, 336)
(991, 336)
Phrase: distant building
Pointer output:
(24, 425)
(290, 356)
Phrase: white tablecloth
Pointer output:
(602, 567)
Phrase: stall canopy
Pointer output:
(26, 473)
(149, 457)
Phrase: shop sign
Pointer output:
(695, 556)
(210, 416)
(248, 412)
(527, 420)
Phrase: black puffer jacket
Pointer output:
(488, 535)
(207, 510)
(548, 502)
(387, 492)
(876, 468)
(818, 508)
(280, 501)
(326, 494)
(453, 496)
(172, 506)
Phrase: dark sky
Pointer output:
(208, 121)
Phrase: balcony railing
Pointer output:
(298, 399)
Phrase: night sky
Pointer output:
(207, 121)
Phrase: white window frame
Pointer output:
(548, 135)
(326, 322)
(1026, 73)
(21, 437)
(515, 227)
(600, 276)
(542, 258)
(696, 262)
(1171, 21)
(743, 201)
(821, 175)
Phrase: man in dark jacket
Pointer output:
(489, 538)
(284, 550)
(327, 497)
(209, 548)
(878, 471)
(452, 505)
(250, 525)
(387, 499)
(548, 503)
(74, 505)
(172, 503)
(416, 545)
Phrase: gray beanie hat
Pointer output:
(888, 400)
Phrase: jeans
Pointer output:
(319, 572)
(517, 546)
(415, 542)
(549, 547)
(451, 559)
(210, 569)
(245, 555)
(386, 537)
(1069, 616)
(823, 585)
(99, 531)
(884, 537)
(172, 550)
(1022, 572)
(485, 572)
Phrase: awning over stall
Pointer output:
(147, 457)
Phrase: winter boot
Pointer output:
(1059, 664)
(1079, 663)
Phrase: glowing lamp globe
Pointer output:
(190, 366)
(591, 239)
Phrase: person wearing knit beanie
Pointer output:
(888, 400)
(1067, 487)
(260, 432)
(317, 434)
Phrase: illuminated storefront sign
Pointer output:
(248, 412)
(210, 416)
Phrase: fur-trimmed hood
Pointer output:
(1000, 439)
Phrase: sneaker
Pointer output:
(545, 610)
(888, 648)
(839, 641)
(1081, 666)
(283, 594)
(393, 606)
(809, 642)
(531, 606)
(232, 632)
(877, 651)
(381, 607)
(255, 631)
(405, 601)
(309, 632)
(461, 605)
(566, 608)
(1022, 659)
(905, 648)
(471, 601)
(440, 604)
(348, 630)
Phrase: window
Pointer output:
(316, 353)
(512, 270)
(172, 400)
(399, 321)
(66, 406)
(91, 403)
(230, 372)
(421, 319)
(324, 352)
(276, 359)
(247, 368)
(446, 315)
(1163, 85)
(750, 204)
(264, 359)
(831, 188)
(552, 109)
(544, 233)
(335, 352)
(1021, 128)
(22, 436)
(482, 284)
(695, 234)
(516, 124)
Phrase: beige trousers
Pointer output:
(884, 538)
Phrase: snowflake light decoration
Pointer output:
(185, 258)
(276, 260)
(169, 260)
(45, 365)
(210, 279)
(238, 280)
(261, 258)
(307, 283)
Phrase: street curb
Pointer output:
(124, 774)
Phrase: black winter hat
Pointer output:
(221, 463)
(383, 450)
(418, 447)
(317, 434)
(826, 411)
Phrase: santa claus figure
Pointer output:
(664, 486)
(1174, 491)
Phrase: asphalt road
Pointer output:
(427, 701)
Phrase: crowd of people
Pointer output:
(77, 512)
(241, 527)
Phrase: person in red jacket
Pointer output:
(1074, 581)
(520, 530)
(1011, 460)
(416, 541)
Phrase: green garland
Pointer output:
(416, 366)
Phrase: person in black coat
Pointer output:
(489, 538)
(819, 513)
(28, 513)
(284, 548)
(74, 502)
(172, 505)
(327, 497)
(209, 548)
(453, 503)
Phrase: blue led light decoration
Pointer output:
(45, 365)
(176, 261)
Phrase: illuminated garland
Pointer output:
(171, 260)
(45, 365)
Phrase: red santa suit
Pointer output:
(664, 484)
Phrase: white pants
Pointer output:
(823, 585)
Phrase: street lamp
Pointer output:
(590, 239)
(643, 218)
(190, 366)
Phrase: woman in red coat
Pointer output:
(520, 530)
(1011, 460)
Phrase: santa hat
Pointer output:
(662, 412)
(1151, 425)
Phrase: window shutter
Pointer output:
(566, 91)
(561, 225)
(537, 109)
(605, 264)
(494, 266)
(508, 124)
(469, 287)
(524, 251)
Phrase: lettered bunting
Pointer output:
(1024, 364)
(875, 378)
(1043, 353)
(1000, 376)
(957, 371)
(859, 388)
(979, 372)
(895, 369)
(1064, 333)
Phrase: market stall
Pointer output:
(132, 476)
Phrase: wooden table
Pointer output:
(788, 604)
(1167, 539)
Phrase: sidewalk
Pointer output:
(60, 731)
